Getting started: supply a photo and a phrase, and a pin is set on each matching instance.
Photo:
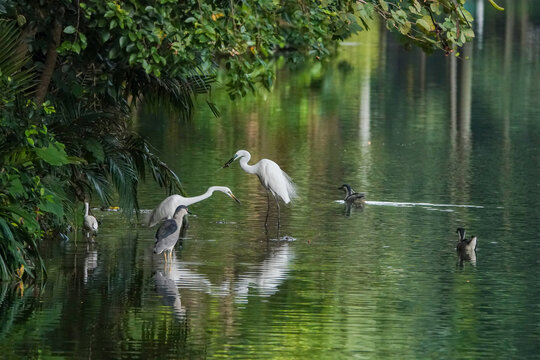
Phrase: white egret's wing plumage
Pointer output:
(275, 180)
(90, 223)
(165, 209)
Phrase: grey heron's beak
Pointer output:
(229, 162)
(234, 198)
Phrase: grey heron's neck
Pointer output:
(86, 208)
(192, 200)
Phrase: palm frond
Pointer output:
(16, 79)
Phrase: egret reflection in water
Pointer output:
(262, 279)
(90, 261)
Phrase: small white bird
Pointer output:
(274, 180)
(90, 222)
(167, 207)
(167, 233)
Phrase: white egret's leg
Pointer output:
(267, 209)
(278, 212)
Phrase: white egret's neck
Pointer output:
(86, 208)
(192, 200)
(244, 159)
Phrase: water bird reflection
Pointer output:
(262, 279)
(466, 248)
(168, 291)
(90, 261)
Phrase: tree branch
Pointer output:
(50, 60)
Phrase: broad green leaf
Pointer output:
(423, 24)
(52, 207)
(95, 148)
(70, 29)
(15, 187)
(53, 154)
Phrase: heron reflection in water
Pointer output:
(168, 291)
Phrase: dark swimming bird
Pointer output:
(351, 197)
(168, 231)
(466, 248)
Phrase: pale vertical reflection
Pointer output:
(453, 100)
(506, 163)
(479, 22)
(364, 119)
(365, 111)
(460, 124)
(465, 95)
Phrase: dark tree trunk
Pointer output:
(50, 60)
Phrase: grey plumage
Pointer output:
(352, 197)
(167, 233)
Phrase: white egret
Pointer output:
(90, 222)
(466, 248)
(167, 233)
(352, 197)
(274, 180)
(166, 209)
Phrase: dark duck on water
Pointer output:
(466, 248)
(352, 197)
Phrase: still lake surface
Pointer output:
(436, 143)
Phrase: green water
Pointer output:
(434, 142)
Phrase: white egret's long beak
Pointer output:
(229, 162)
(234, 198)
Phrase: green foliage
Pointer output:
(109, 43)
(441, 24)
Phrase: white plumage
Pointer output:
(90, 222)
(274, 180)
(166, 208)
